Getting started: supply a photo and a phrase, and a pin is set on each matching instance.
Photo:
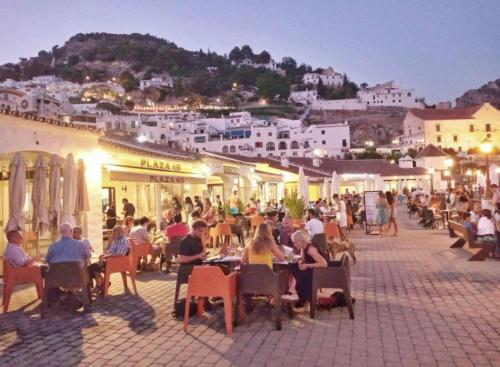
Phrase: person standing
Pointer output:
(341, 210)
(234, 203)
(382, 210)
(188, 206)
(392, 213)
(77, 235)
(128, 208)
(111, 217)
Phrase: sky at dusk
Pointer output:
(439, 47)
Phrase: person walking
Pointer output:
(382, 210)
(392, 213)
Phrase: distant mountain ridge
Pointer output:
(489, 92)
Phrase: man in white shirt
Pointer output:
(475, 213)
(313, 225)
(77, 235)
(14, 254)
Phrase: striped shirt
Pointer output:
(139, 235)
(120, 247)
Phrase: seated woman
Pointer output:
(262, 248)
(312, 257)
(119, 247)
(486, 228)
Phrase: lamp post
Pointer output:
(448, 163)
(486, 147)
(431, 174)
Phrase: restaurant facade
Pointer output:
(150, 176)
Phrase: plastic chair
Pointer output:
(210, 281)
(255, 221)
(140, 251)
(230, 220)
(336, 275)
(259, 279)
(121, 264)
(67, 275)
(23, 275)
(212, 236)
(223, 231)
(331, 231)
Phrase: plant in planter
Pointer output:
(295, 207)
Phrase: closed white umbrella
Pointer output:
(69, 191)
(335, 186)
(55, 165)
(400, 187)
(142, 204)
(326, 190)
(17, 193)
(82, 196)
(303, 186)
(426, 185)
(494, 174)
(40, 219)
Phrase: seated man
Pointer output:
(77, 235)
(191, 249)
(67, 249)
(119, 247)
(139, 234)
(14, 254)
(178, 229)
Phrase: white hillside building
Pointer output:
(239, 133)
(304, 97)
(382, 95)
(37, 103)
(158, 81)
(329, 78)
(390, 94)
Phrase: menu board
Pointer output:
(371, 198)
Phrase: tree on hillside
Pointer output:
(129, 81)
(322, 90)
(263, 58)
(272, 85)
(235, 54)
(363, 85)
(247, 53)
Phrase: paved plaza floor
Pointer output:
(418, 303)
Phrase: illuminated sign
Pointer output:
(160, 165)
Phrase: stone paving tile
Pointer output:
(418, 303)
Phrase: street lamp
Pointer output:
(369, 143)
(431, 173)
(486, 147)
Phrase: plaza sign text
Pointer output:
(160, 165)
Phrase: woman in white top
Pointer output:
(486, 228)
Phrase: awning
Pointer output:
(144, 175)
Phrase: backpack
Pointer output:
(178, 311)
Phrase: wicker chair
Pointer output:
(259, 279)
(336, 275)
(171, 249)
(67, 275)
(319, 240)
(183, 273)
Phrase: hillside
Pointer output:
(489, 92)
(126, 58)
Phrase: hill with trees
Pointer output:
(130, 57)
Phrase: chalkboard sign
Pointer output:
(370, 199)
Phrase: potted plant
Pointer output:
(295, 207)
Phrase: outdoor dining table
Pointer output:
(233, 261)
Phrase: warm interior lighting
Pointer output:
(430, 171)
(486, 147)
(448, 162)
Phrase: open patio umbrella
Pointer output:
(303, 186)
(326, 190)
(17, 193)
(69, 191)
(55, 165)
(82, 196)
(40, 219)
